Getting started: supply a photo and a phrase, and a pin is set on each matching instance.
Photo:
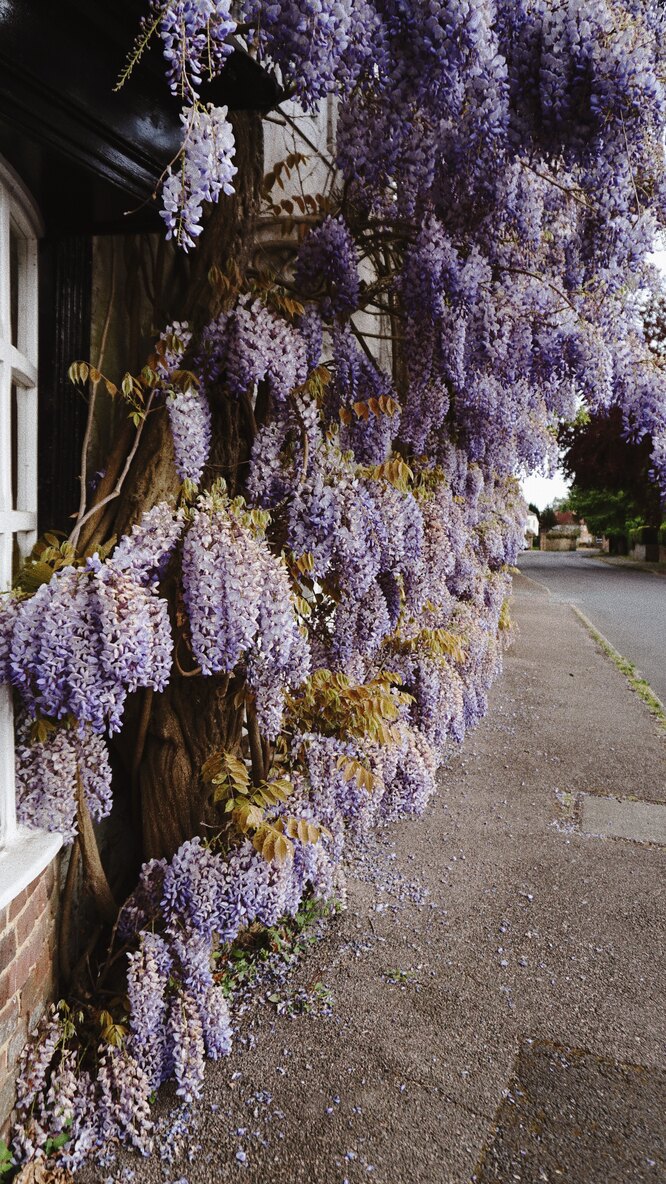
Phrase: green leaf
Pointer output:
(6, 1160)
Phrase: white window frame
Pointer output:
(23, 853)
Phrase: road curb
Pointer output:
(652, 700)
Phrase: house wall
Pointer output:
(27, 974)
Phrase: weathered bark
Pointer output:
(188, 722)
(195, 715)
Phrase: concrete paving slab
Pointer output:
(643, 822)
(481, 924)
(575, 1118)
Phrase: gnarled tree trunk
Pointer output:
(167, 737)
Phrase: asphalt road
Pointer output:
(628, 607)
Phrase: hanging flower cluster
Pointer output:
(84, 641)
(53, 770)
(195, 35)
(239, 603)
(57, 1097)
(328, 257)
(204, 171)
(188, 408)
(145, 553)
(252, 344)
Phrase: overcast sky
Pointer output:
(542, 490)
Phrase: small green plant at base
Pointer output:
(401, 978)
(6, 1161)
(239, 966)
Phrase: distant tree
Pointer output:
(534, 509)
(605, 511)
(604, 464)
(547, 517)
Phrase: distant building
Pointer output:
(531, 529)
(565, 518)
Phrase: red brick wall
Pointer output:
(27, 973)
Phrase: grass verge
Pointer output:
(637, 683)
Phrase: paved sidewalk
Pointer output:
(656, 567)
(499, 990)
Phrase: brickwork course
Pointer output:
(27, 974)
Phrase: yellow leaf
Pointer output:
(267, 845)
(282, 849)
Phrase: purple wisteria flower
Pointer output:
(85, 640)
(327, 259)
(145, 552)
(195, 41)
(249, 345)
(48, 773)
(205, 170)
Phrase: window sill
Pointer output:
(28, 854)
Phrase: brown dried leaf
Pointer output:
(38, 1171)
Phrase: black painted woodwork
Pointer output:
(91, 157)
(87, 153)
(64, 336)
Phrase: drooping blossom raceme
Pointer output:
(413, 781)
(192, 964)
(270, 479)
(249, 345)
(369, 429)
(223, 566)
(311, 330)
(360, 627)
(195, 41)
(48, 773)
(46, 784)
(188, 409)
(337, 800)
(85, 640)
(280, 657)
(307, 39)
(147, 981)
(145, 552)
(191, 427)
(178, 1012)
(204, 171)
(123, 1100)
(327, 259)
(239, 603)
(55, 1095)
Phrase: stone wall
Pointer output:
(27, 974)
(646, 552)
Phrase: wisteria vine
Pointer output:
(500, 182)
